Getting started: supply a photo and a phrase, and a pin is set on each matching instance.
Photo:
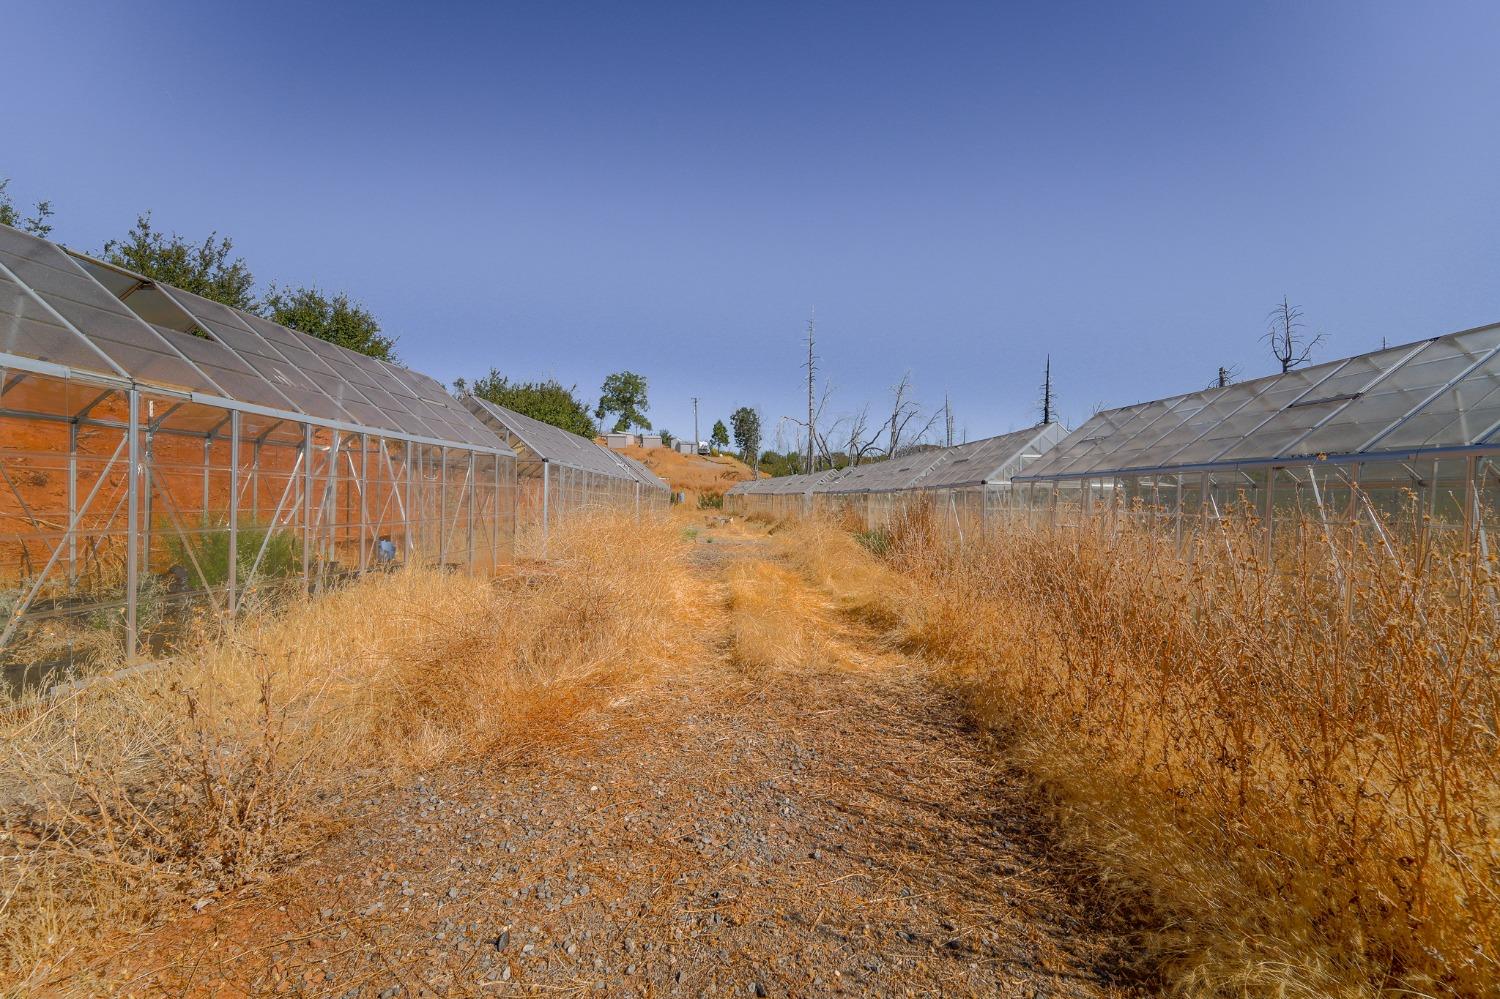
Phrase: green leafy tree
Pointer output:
(36, 224)
(774, 463)
(333, 318)
(204, 268)
(746, 424)
(624, 394)
(666, 438)
(719, 436)
(547, 401)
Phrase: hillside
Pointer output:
(692, 473)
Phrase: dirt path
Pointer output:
(826, 832)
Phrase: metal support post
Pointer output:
(410, 516)
(472, 486)
(72, 503)
(306, 504)
(546, 490)
(442, 507)
(208, 443)
(232, 581)
(365, 527)
(147, 457)
(132, 537)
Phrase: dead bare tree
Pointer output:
(816, 440)
(863, 442)
(1289, 344)
(812, 423)
(1048, 402)
(1226, 376)
(903, 411)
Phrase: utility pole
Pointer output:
(696, 438)
(812, 327)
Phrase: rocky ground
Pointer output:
(825, 832)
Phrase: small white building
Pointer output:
(685, 447)
(619, 439)
(650, 440)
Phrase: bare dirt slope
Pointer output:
(692, 473)
(830, 831)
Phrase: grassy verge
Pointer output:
(124, 802)
(1297, 769)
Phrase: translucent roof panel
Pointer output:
(375, 383)
(296, 348)
(221, 322)
(546, 442)
(1319, 404)
(111, 329)
(1155, 423)
(993, 459)
(1467, 412)
(1437, 393)
(884, 476)
(1217, 406)
(236, 378)
(1405, 390)
(29, 329)
(417, 398)
(1089, 437)
(461, 424)
(641, 472)
(785, 485)
(69, 309)
(1263, 399)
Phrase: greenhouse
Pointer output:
(776, 497)
(1398, 442)
(559, 473)
(964, 486)
(165, 460)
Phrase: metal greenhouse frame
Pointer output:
(164, 459)
(559, 473)
(962, 486)
(1404, 440)
(779, 496)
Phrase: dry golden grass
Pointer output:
(708, 475)
(1297, 768)
(122, 801)
(780, 623)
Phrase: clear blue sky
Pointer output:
(567, 190)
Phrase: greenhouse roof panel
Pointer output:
(1466, 411)
(29, 329)
(885, 476)
(1319, 404)
(94, 318)
(784, 485)
(237, 379)
(643, 474)
(993, 459)
(546, 442)
(1261, 398)
(1437, 393)
(101, 325)
(1095, 430)
(1406, 390)
(1165, 417)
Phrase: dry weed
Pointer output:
(122, 800)
(1296, 767)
